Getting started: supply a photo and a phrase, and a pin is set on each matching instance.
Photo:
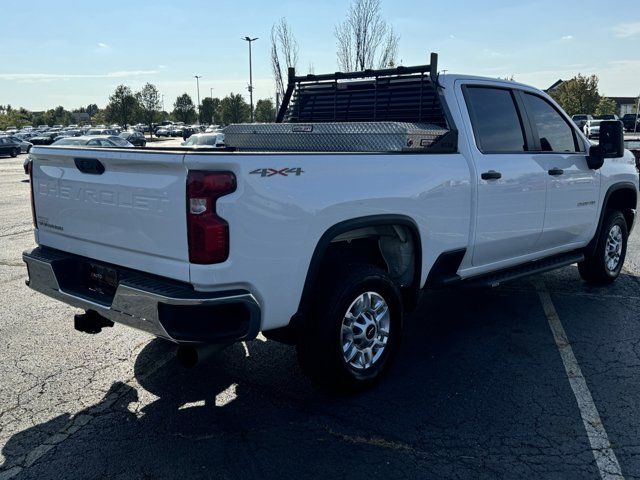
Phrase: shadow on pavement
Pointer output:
(478, 391)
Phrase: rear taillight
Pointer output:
(208, 233)
(33, 202)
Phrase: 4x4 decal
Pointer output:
(270, 172)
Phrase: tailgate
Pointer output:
(122, 207)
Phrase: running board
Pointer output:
(494, 279)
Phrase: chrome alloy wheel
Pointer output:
(365, 330)
(613, 248)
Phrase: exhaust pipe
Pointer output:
(190, 355)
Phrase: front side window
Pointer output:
(554, 132)
(495, 120)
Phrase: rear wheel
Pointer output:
(353, 334)
(605, 264)
(14, 152)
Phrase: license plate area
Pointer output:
(87, 279)
(101, 279)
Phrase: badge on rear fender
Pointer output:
(271, 172)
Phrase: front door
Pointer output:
(573, 189)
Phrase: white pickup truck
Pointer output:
(328, 249)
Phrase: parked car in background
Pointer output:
(581, 119)
(592, 128)
(631, 122)
(93, 141)
(46, 138)
(163, 132)
(9, 147)
(25, 146)
(606, 117)
(212, 129)
(135, 138)
(102, 131)
(205, 140)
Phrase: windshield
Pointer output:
(202, 140)
(632, 144)
(70, 141)
(121, 142)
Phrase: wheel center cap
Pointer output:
(370, 332)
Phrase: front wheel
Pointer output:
(353, 334)
(604, 266)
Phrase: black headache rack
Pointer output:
(401, 94)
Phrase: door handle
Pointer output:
(491, 175)
(556, 171)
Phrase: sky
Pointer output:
(73, 53)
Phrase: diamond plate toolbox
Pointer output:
(333, 137)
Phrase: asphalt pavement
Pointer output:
(534, 379)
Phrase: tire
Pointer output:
(14, 152)
(340, 346)
(604, 266)
(29, 149)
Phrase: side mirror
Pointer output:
(611, 138)
(610, 144)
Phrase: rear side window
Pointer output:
(495, 119)
(554, 132)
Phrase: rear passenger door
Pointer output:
(511, 184)
(573, 189)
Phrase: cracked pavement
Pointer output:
(478, 389)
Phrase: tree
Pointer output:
(92, 109)
(122, 106)
(234, 109)
(209, 110)
(149, 102)
(364, 39)
(578, 95)
(57, 116)
(284, 47)
(184, 109)
(606, 106)
(265, 111)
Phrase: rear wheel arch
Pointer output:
(324, 245)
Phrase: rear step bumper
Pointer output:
(162, 307)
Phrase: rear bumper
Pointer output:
(162, 307)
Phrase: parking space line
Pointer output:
(600, 446)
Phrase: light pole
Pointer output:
(198, 77)
(635, 126)
(250, 40)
